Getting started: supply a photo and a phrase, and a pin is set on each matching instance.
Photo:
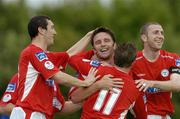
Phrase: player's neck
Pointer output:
(151, 55)
(39, 42)
(123, 69)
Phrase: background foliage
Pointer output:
(75, 18)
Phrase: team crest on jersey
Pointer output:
(6, 98)
(41, 56)
(95, 63)
(178, 62)
(11, 87)
(49, 65)
(164, 72)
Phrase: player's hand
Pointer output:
(108, 82)
(91, 77)
(88, 35)
(143, 84)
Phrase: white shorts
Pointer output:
(158, 117)
(19, 113)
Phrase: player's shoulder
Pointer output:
(139, 55)
(125, 76)
(14, 78)
(31, 49)
(58, 53)
(92, 63)
(63, 55)
(129, 79)
(168, 55)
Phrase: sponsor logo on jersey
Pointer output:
(49, 65)
(178, 62)
(56, 103)
(6, 98)
(50, 82)
(164, 72)
(41, 56)
(95, 63)
(153, 90)
(11, 87)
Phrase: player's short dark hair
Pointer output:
(35, 22)
(144, 28)
(99, 30)
(125, 54)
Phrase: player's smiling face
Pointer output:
(155, 37)
(103, 46)
(50, 32)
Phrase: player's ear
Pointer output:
(41, 30)
(115, 46)
(144, 38)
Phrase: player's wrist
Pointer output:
(98, 85)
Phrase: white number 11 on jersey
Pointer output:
(110, 103)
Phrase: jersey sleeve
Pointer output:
(175, 65)
(74, 88)
(139, 106)
(176, 60)
(10, 95)
(42, 63)
(134, 90)
(60, 60)
(79, 64)
(86, 54)
(58, 101)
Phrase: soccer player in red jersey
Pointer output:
(102, 103)
(152, 63)
(103, 42)
(10, 96)
(35, 96)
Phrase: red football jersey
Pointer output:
(35, 90)
(10, 95)
(158, 102)
(104, 104)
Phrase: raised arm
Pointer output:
(80, 45)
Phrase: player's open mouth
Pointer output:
(104, 49)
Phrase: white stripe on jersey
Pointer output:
(123, 114)
(31, 77)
